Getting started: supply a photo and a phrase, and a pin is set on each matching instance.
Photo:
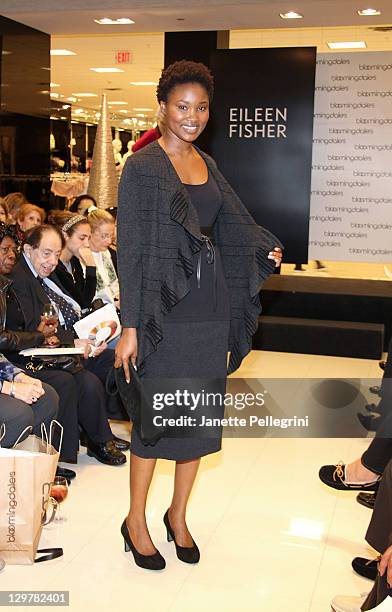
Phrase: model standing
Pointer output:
(191, 264)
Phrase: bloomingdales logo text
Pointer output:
(12, 503)
(270, 122)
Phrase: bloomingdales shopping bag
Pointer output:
(26, 473)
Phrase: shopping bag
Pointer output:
(26, 473)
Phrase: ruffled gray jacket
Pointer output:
(158, 232)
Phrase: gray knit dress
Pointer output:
(195, 340)
(190, 285)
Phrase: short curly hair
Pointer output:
(8, 231)
(182, 72)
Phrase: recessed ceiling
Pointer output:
(164, 15)
(73, 74)
(95, 45)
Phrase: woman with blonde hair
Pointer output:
(30, 216)
(102, 226)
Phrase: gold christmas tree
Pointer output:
(103, 183)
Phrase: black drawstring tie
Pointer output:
(210, 258)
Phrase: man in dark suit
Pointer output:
(33, 286)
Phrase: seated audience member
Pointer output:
(31, 289)
(102, 235)
(376, 413)
(24, 402)
(9, 248)
(83, 204)
(76, 268)
(379, 536)
(113, 211)
(14, 201)
(29, 216)
(3, 211)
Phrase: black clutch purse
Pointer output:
(68, 363)
(136, 403)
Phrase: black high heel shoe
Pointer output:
(186, 554)
(150, 562)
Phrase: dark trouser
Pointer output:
(377, 456)
(379, 536)
(385, 404)
(82, 402)
(379, 452)
(17, 415)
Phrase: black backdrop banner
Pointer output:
(262, 130)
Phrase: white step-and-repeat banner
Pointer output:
(351, 202)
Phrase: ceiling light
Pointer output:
(54, 85)
(45, 91)
(54, 95)
(79, 111)
(119, 102)
(106, 69)
(143, 83)
(142, 109)
(85, 95)
(291, 15)
(4, 52)
(369, 12)
(358, 44)
(123, 110)
(120, 21)
(140, 115)
(72, 99)
(65, 106)
(61, 52)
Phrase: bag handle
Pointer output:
(26, 429)
(44, 434)
(54, 422)
(50, 553)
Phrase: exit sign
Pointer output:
(123, 57)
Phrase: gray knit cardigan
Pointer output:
(158, 232)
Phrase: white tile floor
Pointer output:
(272, 537)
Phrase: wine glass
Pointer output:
(50, 314)
(59, 492)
